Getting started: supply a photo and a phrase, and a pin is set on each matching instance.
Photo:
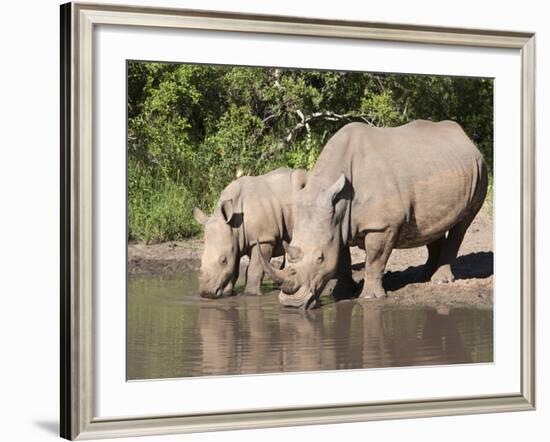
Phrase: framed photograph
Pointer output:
(273, 221)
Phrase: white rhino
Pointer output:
(249, 208)
(382, 188)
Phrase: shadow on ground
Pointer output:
(478, 265)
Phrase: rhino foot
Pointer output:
(253, 292)
(443, 275)
(372, 291)
(372, 296)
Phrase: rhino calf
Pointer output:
(253, 217)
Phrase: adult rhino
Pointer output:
(250, 207)
(382, 188)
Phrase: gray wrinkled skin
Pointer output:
(420, 184)
(250, 208)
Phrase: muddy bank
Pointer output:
(474, 269)
(165, 258)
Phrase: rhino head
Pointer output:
(312, 255)
(221, 256)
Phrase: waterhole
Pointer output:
(172, 332)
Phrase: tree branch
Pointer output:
(270, 117)
(305, 121)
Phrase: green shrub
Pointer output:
(160, 210)
(193, 128)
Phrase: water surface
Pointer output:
(172, 332)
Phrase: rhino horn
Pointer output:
(278, 276)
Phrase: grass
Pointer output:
(160, 210)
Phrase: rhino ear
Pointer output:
(329, 196)
(227, 210)
(199, 215)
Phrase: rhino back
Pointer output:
(267, 207)
(424, 176)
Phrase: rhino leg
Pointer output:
(378, 246)
(345, 285)
(449, 251)
(434, 252)
(255, 271)
(230, 288)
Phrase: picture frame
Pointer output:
(78, 24)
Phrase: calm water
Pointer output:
(172, 333)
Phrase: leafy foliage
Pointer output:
(193, 128)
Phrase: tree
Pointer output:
(193, 128)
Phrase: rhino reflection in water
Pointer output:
(441, 333)
(346, 335)
(420, 184)
(391, 340)
(219, 335)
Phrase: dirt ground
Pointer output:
(473, 270)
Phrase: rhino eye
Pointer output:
(320, 258)
(223, 260)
